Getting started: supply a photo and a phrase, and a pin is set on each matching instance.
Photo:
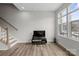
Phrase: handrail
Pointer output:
(7, 36)
(8, 23)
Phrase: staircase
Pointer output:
(12, 40)
(6, 38)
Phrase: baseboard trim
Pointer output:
(68, 52)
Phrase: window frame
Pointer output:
(61, 16)
(69, 31)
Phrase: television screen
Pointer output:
(39, 33)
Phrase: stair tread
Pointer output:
(12, 41)
(11, 38)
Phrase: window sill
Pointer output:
(69, 38)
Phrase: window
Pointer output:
(59, 15)
(62, 22)
(68, 20)
(75, 29)
(59, 26)
(73, 7)
(64, 12)
(74, 18)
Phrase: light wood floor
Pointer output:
(23, 49)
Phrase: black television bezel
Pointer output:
(34, 33)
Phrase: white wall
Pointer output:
(71, 44)
(27, 22)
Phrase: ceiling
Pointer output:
(37, 6)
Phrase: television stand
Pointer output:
(39, 40)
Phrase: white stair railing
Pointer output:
(4, 35)
(7, 31)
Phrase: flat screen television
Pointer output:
(39, 33)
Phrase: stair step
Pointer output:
(11, 38)
(12, 42)
(11, 45)
(3, 41)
